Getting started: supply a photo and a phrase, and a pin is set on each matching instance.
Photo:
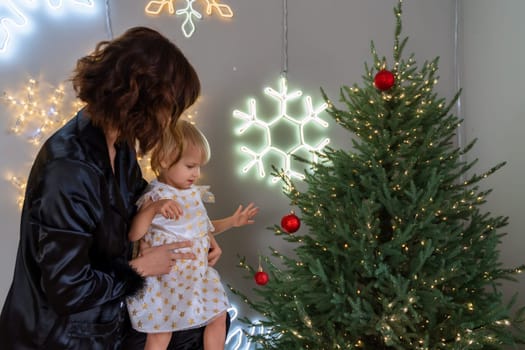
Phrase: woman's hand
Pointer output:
(158, 260)
(215, 251)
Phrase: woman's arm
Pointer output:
(239, 218)
(63, 219)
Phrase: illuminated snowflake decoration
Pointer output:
(251, 121)
(189, 13)
(36, 117)
(56, 4)
(20, 185)
(10, 16)
(237, 336)
(13, 16)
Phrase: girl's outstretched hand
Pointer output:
(244, 216)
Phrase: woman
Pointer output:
(73, 268)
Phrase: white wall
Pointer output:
(493, 52)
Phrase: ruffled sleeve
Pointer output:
(154, 191)
(207, 197)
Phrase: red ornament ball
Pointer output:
(290, 223)
(384, 80)
(261, 278)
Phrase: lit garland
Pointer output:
(251, 120)
(155, 7)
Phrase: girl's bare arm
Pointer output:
(142, 220)
(239, 218)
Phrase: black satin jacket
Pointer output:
(72, 274)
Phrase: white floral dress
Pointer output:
(191, 294)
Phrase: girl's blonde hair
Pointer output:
(177, 138)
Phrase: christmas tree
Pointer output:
(398, 252)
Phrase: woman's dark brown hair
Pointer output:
(137, 83)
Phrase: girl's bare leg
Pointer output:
(157, 341)
(215, 333)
